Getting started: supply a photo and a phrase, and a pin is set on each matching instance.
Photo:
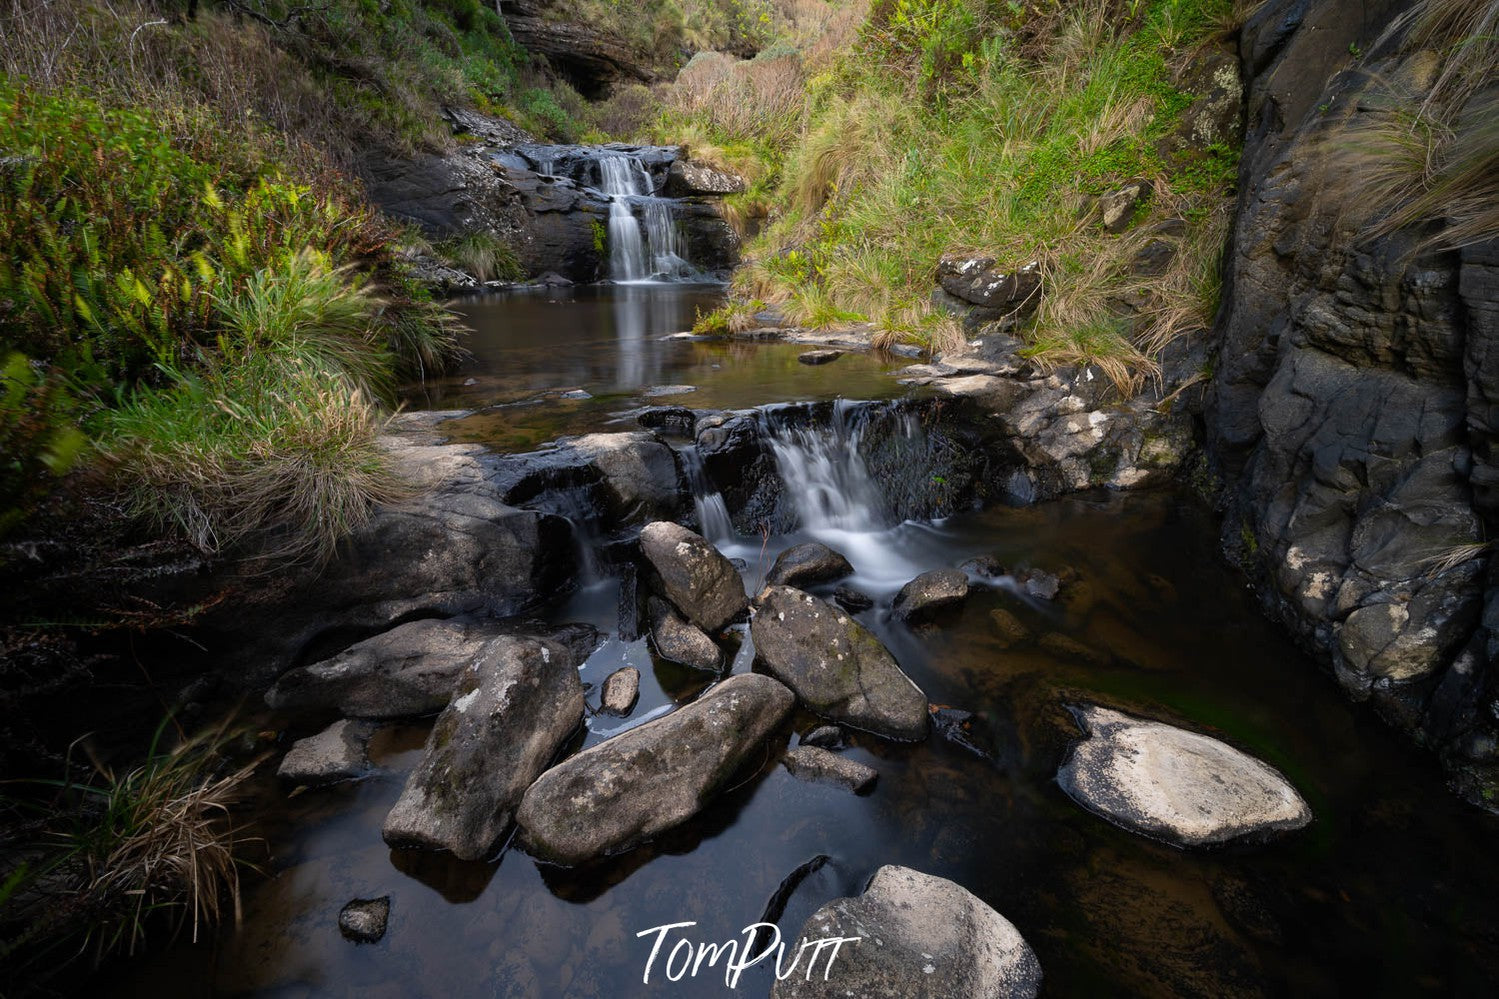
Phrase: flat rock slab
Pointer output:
(338, 752)
(1174, 785)
(929, 593)
(620, 691)
(680, 640)
(920, 936)
(363, 920)
(804, 564)
(406, 671)
(812, 763)
(819, 356)
(512, 709)
(835, 665)
(651, 778)
(695, 576)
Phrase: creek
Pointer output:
(1394, 886)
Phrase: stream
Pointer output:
(1394, 888)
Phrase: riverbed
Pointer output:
(1393, 889)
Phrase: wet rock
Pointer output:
(694, 575)
(363, 920)
(406, 671)
(815, 357)
(512, 709)
(804, 564)
(623, 478)
(655, 391)
(685, 179)
(334, 754)
(1179, 786)
(680, 641)
(986, 566)
(825, 736)
(929, 593)
(920, 936)
(1010, 628)
(852, 600)
(1117, 208)
(678, 420)
(1042, 584)
(964, 729)
(813, 763)
(835, 665)
(653, 777)
(621, 688)
(641, 474)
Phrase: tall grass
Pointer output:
(959, 126)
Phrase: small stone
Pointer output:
(1042, 584)
(621, 688)
(659, 390)
(819, 356)
(852, 600)
(826, 736)
(986, 566)
(1117, 208)
(813, 763)
(364, 920)
(928, 593)
(679, 640)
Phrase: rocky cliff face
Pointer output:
(1353, 411)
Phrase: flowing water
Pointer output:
(637, 254)
(1393, 890)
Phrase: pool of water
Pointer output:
(578, 359)
(1393, 890)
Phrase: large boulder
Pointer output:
(651, 778)
(835, 665)
(512, 709)
(406, 671)
(1179, 786)
(694, 575)
(811, 562)
(685, 178)
(918, 935)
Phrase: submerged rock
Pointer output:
(620, 691)
(929, 593)
(511, 711)
(338, 752)
(835, 665)
(679, 640)
(812, 763)
(694, 575)
(1179, 786)
(1042, 584)
(651, 778)
(811, 562)
(363, 920)
(826, 736)
(1009, 627)
(408, 670)
(919, 936)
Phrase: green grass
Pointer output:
(484, 255)
(963, 126)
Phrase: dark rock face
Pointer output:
(929, 593)
(621, 478)
(1350, 415)
(363, 920)
(812, 562)
(835, 665)
(592, 60)
(647, 780)
(451, 547)
(694, 575)
(511, 711)
(981, 292)
(1179, 786)
(922, 936)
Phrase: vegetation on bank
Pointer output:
(878, 141)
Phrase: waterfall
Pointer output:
(826, 476)
(635, 255)
(713, 518)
